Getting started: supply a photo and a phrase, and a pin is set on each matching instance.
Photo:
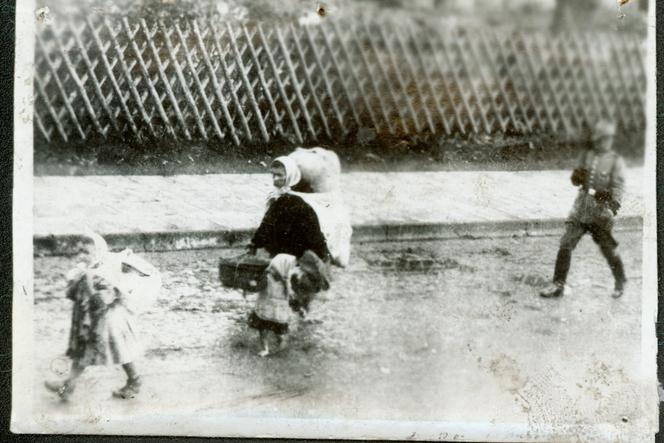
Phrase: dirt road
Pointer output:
(450, 330)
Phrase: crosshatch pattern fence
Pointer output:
(202, 79)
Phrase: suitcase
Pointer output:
(245, 272)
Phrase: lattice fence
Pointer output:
(192, 79)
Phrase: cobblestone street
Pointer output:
(411, 331)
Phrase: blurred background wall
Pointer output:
(558, 14)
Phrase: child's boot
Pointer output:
(63, 389)
(129, 390)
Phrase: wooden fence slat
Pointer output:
(199, 85)
(261, 77)
(582, 97)
(457, 81)
(599, 80)
(280, 85)
(447, 91)
(527, 84)
(93, 77)
(82, 92)
(635, 55)
(428, 81)
(309, 82)
(501, 87)
(353, 73)
(129, 79)
(229, 82)
(616, 53)
(582, 108)
(485, 83)
(590, 78)
(111, 77)
(383, 70)
(40, 126)
(164, 79)
(180, 75)
(326, 80)
(61, 88)
(372, 81)
(295, 83)
(247, 83)
(638, 52)
(416, 80)
(530, 90)
(474, 93)
(147, 78)
(340, 76)
(510, 74)
(215, 85)
(628, 53)
(549, 82)
(400, 81)
(592, 108)
(54, 115)
(533, 74)
(560, 91)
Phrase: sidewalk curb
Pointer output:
(51, 245)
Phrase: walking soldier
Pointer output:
(600, 177)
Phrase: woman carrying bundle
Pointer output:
(290, 225)
(297, 231)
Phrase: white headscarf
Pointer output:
(97, 256)
(101, 247)
(293, 177)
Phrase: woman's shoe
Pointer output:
(63, 389)
(130, 390)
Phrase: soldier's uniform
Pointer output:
(600, 176)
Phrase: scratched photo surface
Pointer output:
(450, 244)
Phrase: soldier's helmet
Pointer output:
(603, 128)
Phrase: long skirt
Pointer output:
(272, 311)
(111, 338)
(267, 325)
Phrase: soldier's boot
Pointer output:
(558, 288)
(618, 292)
(619, 288)
(618, 270)
(555, 290)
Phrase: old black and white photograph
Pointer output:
(365, 219)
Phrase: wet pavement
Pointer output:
(441, 330)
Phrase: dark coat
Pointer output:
(290, 226)
(605, 173)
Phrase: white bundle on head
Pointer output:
(319, 167)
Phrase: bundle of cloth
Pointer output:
(136, 282)
(314, 176)
(320, 170)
